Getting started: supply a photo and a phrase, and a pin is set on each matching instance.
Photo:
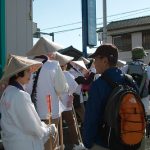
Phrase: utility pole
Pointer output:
(104, 21)
(52, 35)
(84, 27)
(37, 34)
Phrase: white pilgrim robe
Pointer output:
(20, 123)
(79, 87)
(72, 88)
(51, 82)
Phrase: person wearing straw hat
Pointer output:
(44, 47)
(21, 126)
(49, 81)
(87, 79)
(75, 140)
(78, 69)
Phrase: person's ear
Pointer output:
(105, 60)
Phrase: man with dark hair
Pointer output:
(106, 57)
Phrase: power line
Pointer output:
(127, 16)
(97, 19)
(120, 18)
(61, 26)
(67, 30)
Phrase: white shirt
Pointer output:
(72, 88)
(21, 126)
(51, 82)
(79, 87)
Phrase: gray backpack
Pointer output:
(139, 73)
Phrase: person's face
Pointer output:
(101, 64)
(51, 56)
(25, 79)
(64, 67)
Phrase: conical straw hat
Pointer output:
(63, 59)
(86, 61)
(43, 47)
(80, 63)
(16, 64)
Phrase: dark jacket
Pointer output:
(98, 96)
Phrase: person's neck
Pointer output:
(20, 82)
(17, 84)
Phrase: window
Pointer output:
(123, 42)
(146, 39)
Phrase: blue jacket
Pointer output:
(98, 96)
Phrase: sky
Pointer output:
(61, 15)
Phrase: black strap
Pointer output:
(128, 78)
(113, 84)
(109, 81)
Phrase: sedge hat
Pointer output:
(43, 47)
(79, 63)
(16, 64)
(63, 59)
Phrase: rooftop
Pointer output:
(134, 22)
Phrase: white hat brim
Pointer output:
(80, 63)
(17, 64)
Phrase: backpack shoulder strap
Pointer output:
(128, 78)
(143, 79)
(109, 81)
(113, 84)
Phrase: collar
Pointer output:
(113, 72)
(17, 85)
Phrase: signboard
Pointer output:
(91, 23)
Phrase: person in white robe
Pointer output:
(69, 115)
(21, 126)
(79, 69)
(50, 84)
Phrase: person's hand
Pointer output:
(52, 129)
(92, 69)
(70, 100)
(2, 88)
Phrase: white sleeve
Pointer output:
(60, 82)
(27, 117)
(71, 82)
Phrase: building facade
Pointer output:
(16, 28)
(129, 33)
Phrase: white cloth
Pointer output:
(20, 123)
(145, 100)
(79, 87)
(51, 82)
(72, 88)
